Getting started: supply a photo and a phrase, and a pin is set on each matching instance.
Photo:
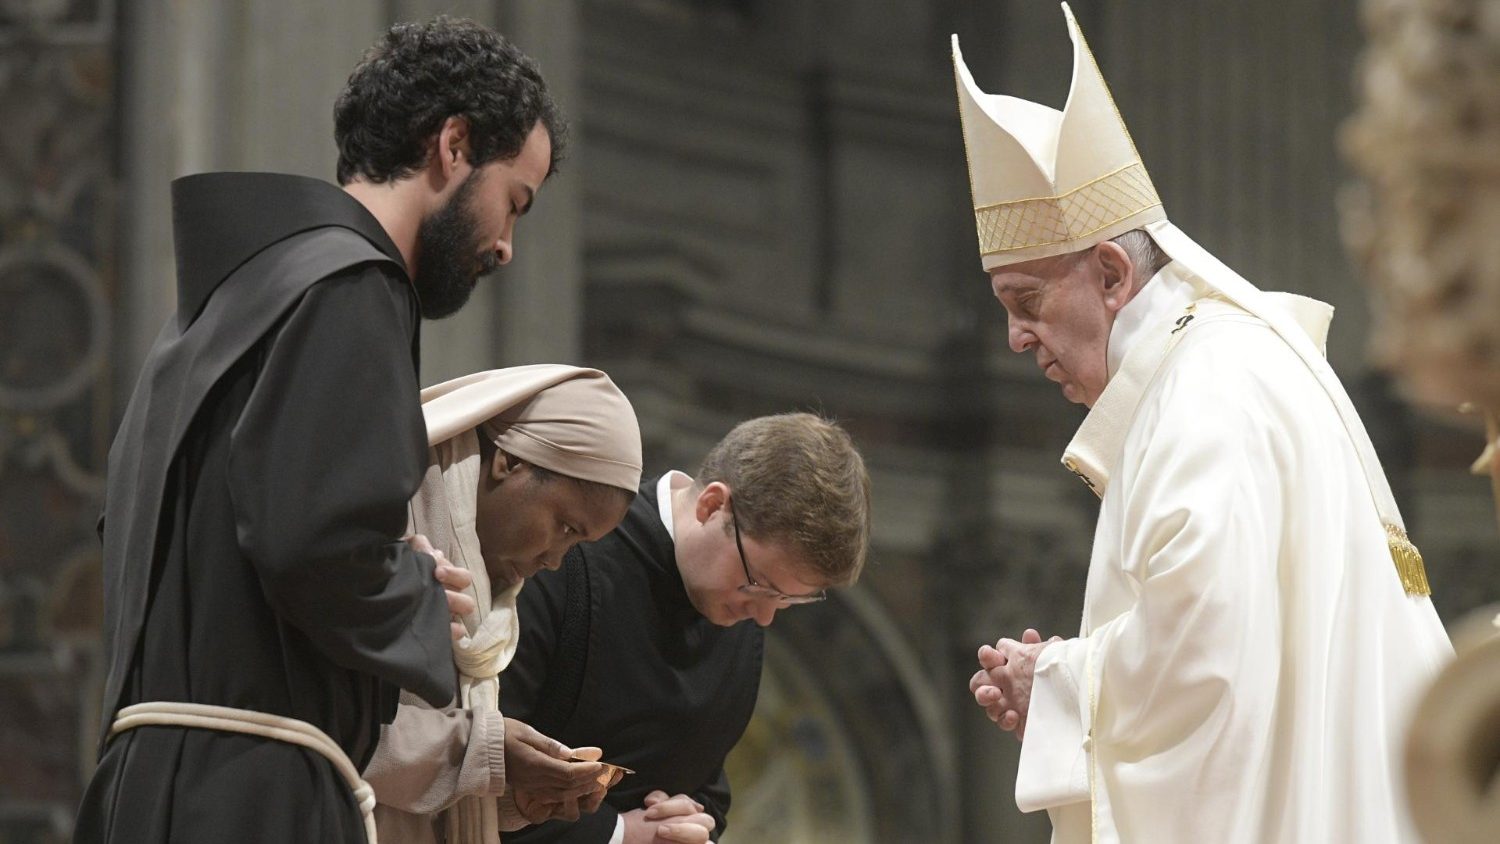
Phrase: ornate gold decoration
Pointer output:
(796, 771)
(1072, 466)
(1488, 462)
(1453, 747)
(1045, 182)
(1408, 561)
(1423, 223)
(1077, 214)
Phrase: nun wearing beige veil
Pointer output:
(523, 463)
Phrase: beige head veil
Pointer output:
(570, 420)
(566, 419)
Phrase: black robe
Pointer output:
(640, 673)
(257, 492)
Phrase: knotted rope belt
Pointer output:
(248, 721)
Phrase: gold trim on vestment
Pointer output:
(1408, 561)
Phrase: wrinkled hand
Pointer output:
(662, 819)
(1002, 685)
(454, 579)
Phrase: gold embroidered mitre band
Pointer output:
(1047, 182)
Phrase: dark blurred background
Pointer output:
(765, 209)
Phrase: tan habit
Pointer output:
(569, 420)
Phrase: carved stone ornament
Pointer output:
(1426, 141)
(1426, 226)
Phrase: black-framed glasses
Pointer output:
(760, 591)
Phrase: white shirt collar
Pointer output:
(1141, 336)
(1166, 292)
(664, 499)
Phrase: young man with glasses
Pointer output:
(639, 643)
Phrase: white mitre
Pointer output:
(1047, 182)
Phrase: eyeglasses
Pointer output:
(759, 591)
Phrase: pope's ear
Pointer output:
(1115, 273)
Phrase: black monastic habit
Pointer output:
(256, 497)
(614, 655)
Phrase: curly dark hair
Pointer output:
(420, 74)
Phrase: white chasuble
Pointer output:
(1248, 654)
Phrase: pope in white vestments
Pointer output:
(1256, 625)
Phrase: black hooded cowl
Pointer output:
(257, 493)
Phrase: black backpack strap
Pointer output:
(558, 698)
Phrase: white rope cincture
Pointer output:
(249, 722)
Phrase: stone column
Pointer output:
(275, 112)
(1235, 109)
(58, 281)
(220, 85)
(539, 314)
(529, 311)
(464, 342)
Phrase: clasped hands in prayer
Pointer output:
(668, 819)
(1002, 685)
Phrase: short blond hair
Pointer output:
(797, 479)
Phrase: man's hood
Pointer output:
(221, 220)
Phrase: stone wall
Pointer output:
(58, 282)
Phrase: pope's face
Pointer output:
(1061, 310)
(526, 523)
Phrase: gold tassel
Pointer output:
(1408, 562)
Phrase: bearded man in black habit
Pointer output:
(262, 607)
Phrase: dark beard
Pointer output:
(450, 258)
